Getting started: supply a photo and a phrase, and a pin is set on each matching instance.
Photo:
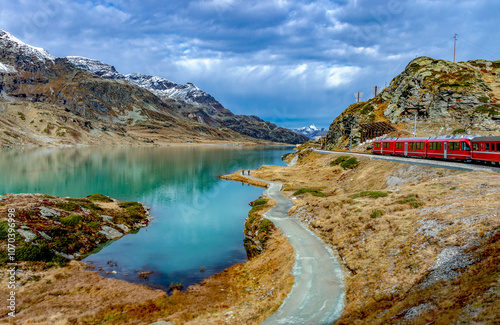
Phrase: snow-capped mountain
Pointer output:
(8, 41)
(311, 131)
(161, 87)
(96, 67)
(31, 74)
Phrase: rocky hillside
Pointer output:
(56, 229)
(193, 103)
(95, 92)
(446, 96)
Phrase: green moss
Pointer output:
(67, 206)
(410, 200)
(338, 160)
(4, 229)
(349, 163)
(459, 131)
(99, 197)
(259, 202)
(266, 225)
(483, 99)
(31, 252)
(93, 224)
(371, 194)
(21, 116)
(377, 213)
(71, 220)
(310, 190)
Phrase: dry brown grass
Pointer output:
(242, 294)
(237, 177)
(63, 295)
(387, 245)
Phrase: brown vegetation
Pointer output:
(242, 294)
(418, 244)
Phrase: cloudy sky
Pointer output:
(288, 61)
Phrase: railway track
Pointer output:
(421, 161)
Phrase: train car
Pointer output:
(384, 146)
(452, 147)
(486, 149)
(414, 147)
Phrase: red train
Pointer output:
(465, 147)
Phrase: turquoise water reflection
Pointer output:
(198, 217)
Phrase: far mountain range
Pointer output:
(98, 94)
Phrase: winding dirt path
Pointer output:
(317, 295)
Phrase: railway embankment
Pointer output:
(418, 244)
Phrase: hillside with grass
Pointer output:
(418, 244)
(448, 98)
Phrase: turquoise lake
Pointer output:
(199, 218)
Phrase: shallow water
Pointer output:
(198, 217)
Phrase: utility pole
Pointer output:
(415, 127)
(455, 46)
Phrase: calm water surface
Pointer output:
(198, 217)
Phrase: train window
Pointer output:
(487, 145)
(398, 145)
(475, 146)
(439, 146)
(386, 144)
(377, 144)
(498, 146)
(465, 146)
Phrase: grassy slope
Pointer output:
(425, 249)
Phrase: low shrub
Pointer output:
(259, 202)
(310, 190)
(377, 213)
(349, 163)
(266, 225)
(31, 252)
(338, 160)
(346, 162)
(67, 206)
(4, 228)
(93, 224)
(371, 194)
(71, 220)
(459, 131)
(99, 197)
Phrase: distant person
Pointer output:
(249, 172)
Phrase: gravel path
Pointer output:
(317, 295)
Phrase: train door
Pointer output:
(446, 150)
(406, 148)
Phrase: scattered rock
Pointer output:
(28, 235)
(48, 213)
(110, 233)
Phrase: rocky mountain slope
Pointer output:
(80, 89)
(193, 103)
(446, 97)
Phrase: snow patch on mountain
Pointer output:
(10, 42)
(311, 131)
(96, 67)
(164, 88)
(161, 87)
(7, 68)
